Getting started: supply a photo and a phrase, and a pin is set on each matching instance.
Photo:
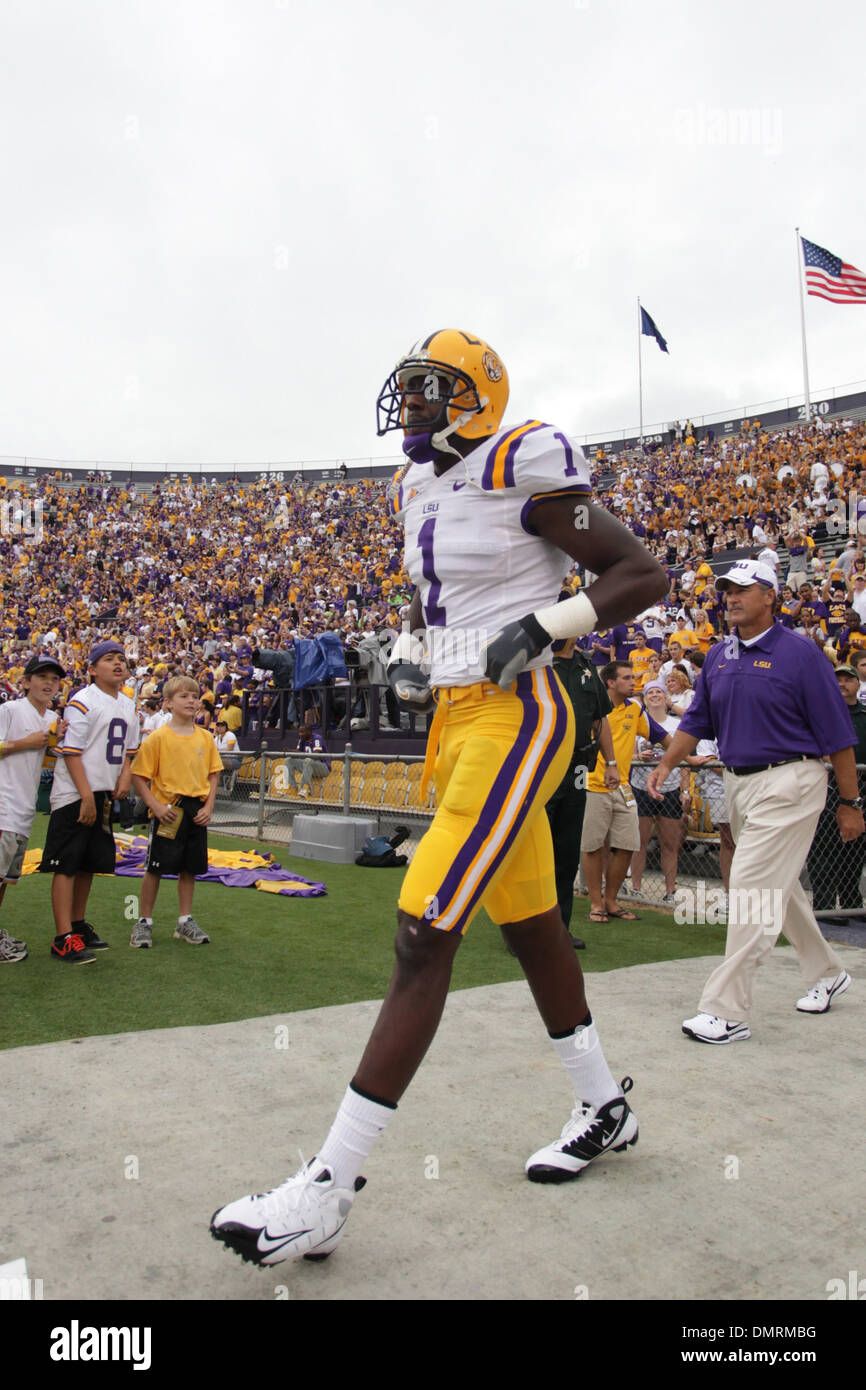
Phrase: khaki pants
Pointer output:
(773, 819)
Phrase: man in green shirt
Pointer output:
(565, 809)
(835, 865)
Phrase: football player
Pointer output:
(494, 519)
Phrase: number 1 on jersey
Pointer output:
(434, 616)
(570, 470)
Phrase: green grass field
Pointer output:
(267, 954)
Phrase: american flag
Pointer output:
(828, 277)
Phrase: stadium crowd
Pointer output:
(207, 579)
(194, 576)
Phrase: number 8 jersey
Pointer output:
(471, 549)
(103, 728)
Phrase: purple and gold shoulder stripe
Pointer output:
(395, 491)
(499, 466)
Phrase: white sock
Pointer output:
(357, 1126)
(185, 918)
(581, 1055)
(148, 920)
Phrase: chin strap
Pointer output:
(439, 439)
(422, 446)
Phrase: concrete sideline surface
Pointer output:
(747, 1181)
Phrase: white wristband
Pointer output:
(575, 617)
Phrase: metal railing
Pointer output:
(344, 708)
(264, 793)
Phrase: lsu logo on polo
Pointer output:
(763, 665)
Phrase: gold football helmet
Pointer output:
(462, 373)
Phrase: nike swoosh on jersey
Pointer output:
(455, 487)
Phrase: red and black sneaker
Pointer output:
(72, 949)
(88, 934)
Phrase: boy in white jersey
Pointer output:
(494, 519)
(26, 727)
(93, 770)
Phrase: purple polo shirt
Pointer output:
(772, 700)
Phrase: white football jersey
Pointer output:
(103, 729)
(20, 772)
(470, 547)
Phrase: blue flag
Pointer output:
(648, 327)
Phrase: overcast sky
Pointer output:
(224, 220)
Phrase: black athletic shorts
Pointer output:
(669, 808)
(73, 848)
(186, 853)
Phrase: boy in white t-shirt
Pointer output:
(93, 771)
(26, 728)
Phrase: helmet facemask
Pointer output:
(440, 382)
(465, 385)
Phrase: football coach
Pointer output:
(772, 702)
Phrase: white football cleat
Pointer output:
(589, 1133)
(709, 1028)
(303, 1217)
(821, 995)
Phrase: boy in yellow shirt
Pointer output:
(640, 659)
(175, 773)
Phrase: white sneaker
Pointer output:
(821, 995)
(708, 1028)
(141, 936)
(305, 1217)
(11, 950)
(191, 932)
(588, 1134)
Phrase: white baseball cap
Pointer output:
(747, 572)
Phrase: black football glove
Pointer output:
(412, 687)
(513, 648)
(408, 681)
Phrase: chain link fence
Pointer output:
(686, 841)
(834, 868)
(263, 794)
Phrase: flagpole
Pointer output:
(639, 372)
(803, 325)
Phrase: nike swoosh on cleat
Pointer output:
(277, 1242)
(587, 1146)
